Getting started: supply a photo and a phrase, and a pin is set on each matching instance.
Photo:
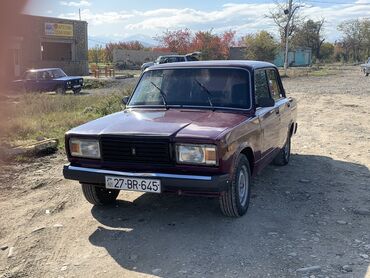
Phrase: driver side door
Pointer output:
(268, 117)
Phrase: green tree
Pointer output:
(327, 51)
(96, 54)
(309, 34)
(260, 46)
(356, 38)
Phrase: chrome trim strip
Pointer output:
(140, 175)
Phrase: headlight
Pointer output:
(88, 148)
(196, 154)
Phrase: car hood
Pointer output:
(179, 123)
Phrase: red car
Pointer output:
(203, 128)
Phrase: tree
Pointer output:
(178, 41)
(356, 39)
(96, 54)
(327, 51)
(260, 46)
(212, 46)
(309, 34)
(286, 18)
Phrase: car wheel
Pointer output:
(97, 195)
(235, 201)
(283, 156)
(77, 91)
(60, 90)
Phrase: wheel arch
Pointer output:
(248, 152)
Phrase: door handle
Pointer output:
(277, 111)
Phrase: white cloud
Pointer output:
(82, 3)
(243, 18)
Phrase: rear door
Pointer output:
(268, 116)
(282, 104)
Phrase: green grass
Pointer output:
(50, 116)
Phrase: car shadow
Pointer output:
(178, 236)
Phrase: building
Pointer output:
(300, 57)
(45, 42)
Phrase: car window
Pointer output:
(30, 76)
(44, 75)
(261, 85)
(191, 58)
(275, 89)
(181, 59)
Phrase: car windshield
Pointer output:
(58, 73)
(202, 87)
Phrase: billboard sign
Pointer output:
(58, 29)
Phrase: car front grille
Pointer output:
(136, 150)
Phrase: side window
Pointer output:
(261, 85)
(274, 85)
(181, 59)
(30, 76)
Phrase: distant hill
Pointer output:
(147, 41)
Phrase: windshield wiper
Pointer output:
(163, 95)
(204, 89)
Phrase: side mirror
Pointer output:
(266, 102)
(125, 100)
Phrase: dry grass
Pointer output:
(41, 115)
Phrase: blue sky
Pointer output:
(122, 20)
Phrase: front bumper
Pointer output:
(183, 184)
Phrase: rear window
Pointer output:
(218, 87)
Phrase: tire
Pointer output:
(99, 195)
(283, 156)
(60, 90)
(77, 91)
(235, 201)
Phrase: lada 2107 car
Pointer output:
(203, 128)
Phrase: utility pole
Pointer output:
(79, 13)
(289, 15)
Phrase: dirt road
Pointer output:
(308, 219)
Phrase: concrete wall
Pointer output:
(135, 58)
(297, 58)
(35, 35)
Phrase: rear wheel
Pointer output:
(235, 201)
(100, 196)
(283, 156)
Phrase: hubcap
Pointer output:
(243, 184)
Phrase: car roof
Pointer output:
(246, 64)
(37, 70)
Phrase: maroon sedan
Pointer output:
(203, 128)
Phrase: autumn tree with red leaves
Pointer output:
(212, 46)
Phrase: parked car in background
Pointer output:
(202, 128)
(366, 67)
(172, 59)
(47, 80)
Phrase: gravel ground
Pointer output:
(308, 219)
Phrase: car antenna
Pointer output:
(209, 95)
(163, 95)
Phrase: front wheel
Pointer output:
(77, 91)
(100, 196)
(235, 201)
(60, 90)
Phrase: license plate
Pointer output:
(76, 86)
(133, 184)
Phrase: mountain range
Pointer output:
(145, 40)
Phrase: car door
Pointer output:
(30, 81)
(268, 116)
(282, 104)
